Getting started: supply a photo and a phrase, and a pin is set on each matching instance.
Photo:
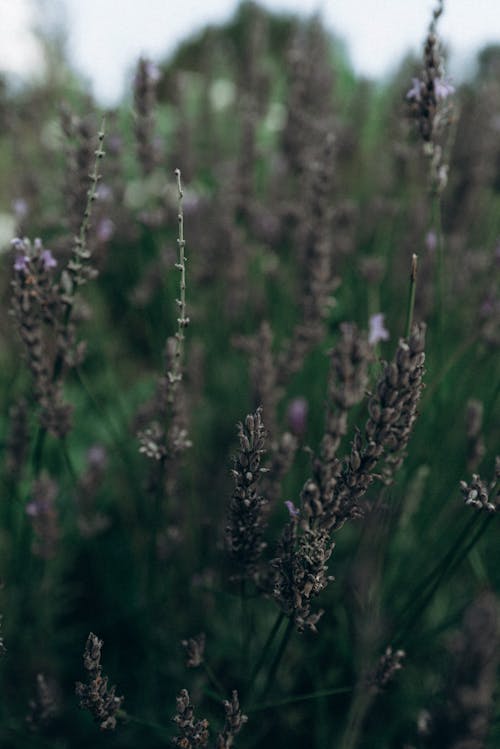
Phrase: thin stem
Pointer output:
(68, 461)
(411, 295)
(182, 321)
(454, 560)
(265, 649)
(214, 680)
(356, 717)
(440, 275)
(300, 698)
(277, 658)
(127, 718)
(245, 629)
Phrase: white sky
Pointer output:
(107, 36)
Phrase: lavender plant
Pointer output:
(327, 573)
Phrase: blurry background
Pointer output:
(104, 38)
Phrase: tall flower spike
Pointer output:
(38, 308)
(428, 103)
(392, 414)
(347, 381)
(246, 522)
(146, 77)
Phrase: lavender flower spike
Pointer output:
(378, 331)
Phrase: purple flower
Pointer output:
(297, 416)
(378, 331)
(20, 208)
(36, 508)
(294, 511)
(443, 88)
(431, 241)
(152, 71)
(415, 91)
(96, 456)
(21, 262)
(48, 260)
(105, 229)
(104, 193)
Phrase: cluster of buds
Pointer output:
(429, 105)
(95, 696)
(482, 495)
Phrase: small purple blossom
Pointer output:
(20, 208)
(297, 412)
(415, 92)
(21, 262)
(37, 508)
(378, 331)
(431, 241)
(152, 71)
(443, 88)
(48, 260)
(97, 456)
(293, 511)
(105, 230)
(104, 193)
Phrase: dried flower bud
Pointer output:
(195, 649)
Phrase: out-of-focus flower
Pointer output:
(294, 511)
(21, 262)
(20, 208)
(378, 331)
(97, 456)
(415, 91)
(43, 516)
(297, 412)
(48, 260)
(105, 230)
(153, 71)
(443, 88)
(431, 241)
(104, 193)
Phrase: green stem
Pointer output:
(38, 451)
(300, 698)
(440, 282)
(411, 295)
(444, 562)
(126, 717)
(265, 650)
(357, 714)
(214, 681)
(454, 560)
(277, 658)
(68, 461)
(245, 629)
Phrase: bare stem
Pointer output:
(411, 295)
(175, 376)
